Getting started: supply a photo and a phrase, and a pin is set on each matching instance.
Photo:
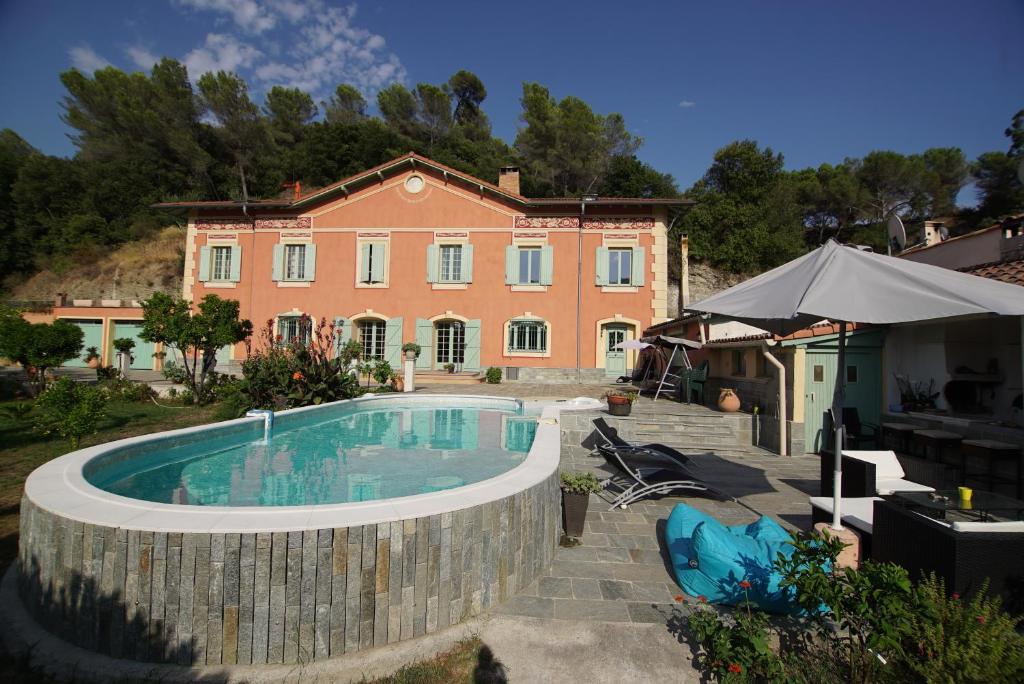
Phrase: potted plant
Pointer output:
(620, 403)
(576, 491)
(450, 367)
(124, 346)
(92, 357)
(728, 401)
(412, 350)
(397, 382)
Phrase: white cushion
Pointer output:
(887, 487)
(887, 466)
(858, 512)
(1012, 526)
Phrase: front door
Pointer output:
(142, 353)
(614, 358)
(450, 344)
(92, 336)
(863, 375)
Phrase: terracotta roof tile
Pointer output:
(1005, 271)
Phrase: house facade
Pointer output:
(414, 251)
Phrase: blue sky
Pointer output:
(817, 81)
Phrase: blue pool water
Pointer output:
(351, 453)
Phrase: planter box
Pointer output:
(622, 409)
(574, 513)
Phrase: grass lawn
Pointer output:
(22, 450)
(456, 665)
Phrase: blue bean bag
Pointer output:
(710, 559)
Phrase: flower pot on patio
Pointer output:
(728, 401)
(620, 403)
(574, 511)
(576, 491)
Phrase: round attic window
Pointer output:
(414, 184)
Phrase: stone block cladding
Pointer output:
(281, 597)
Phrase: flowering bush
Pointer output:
(280, 375)
(860, 625)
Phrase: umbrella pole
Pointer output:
(837, 419)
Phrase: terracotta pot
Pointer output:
(728, 402)
(619, 406)
(93, 363)
(574, 513)
(398, 385)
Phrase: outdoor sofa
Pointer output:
(867, 474)
(964, 554)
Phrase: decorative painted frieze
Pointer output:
(224, 224)
(589, 223)
(298, 223)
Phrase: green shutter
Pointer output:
(393, 343)
(472, 356)
(278, 268)
(547, 264)
(467, 263)
(511, 265)
(601, 266)
(380, 257)
(637, 276)
(204, 264)
(425, 338)
(310, 263)
(432, 263)
(364, 263)
(236, 263)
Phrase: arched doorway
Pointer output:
(449, 343)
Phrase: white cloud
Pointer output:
(251, 16)
(220, 52)
(687, 104)
(307, 44)
(141, 57)
(84, 58)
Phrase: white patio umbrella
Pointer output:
(845, 284)
(632, 344)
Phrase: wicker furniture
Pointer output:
(982, 459)
(867, 474)
(896, 436)
(964, 555)
(941, 446)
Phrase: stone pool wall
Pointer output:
(282, 597)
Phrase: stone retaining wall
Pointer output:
(282, 597)
(566, 376)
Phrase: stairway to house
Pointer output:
(446, 378)
(687, 427)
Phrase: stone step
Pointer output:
(684, 428)
(689, 440)
(445, 378)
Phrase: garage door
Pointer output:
(142, 354)
(92, 331)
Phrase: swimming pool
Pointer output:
(357, 524)
(354, 452)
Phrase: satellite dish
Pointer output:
(897, 233)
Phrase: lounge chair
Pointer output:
(868, 474)
(649, 469)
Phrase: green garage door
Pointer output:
(142, 354)
(92, 337)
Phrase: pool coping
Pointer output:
(59, 486)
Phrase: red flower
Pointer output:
(744, 584)
(735, 668)
(296, 375)
(981, 619)
(679, 598)
(956, 596)
(278, 338)
(702, 598)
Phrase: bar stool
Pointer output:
(940, 446)
(981, 458)
(896, 436)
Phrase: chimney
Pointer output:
(508, 179)
(684, 271)
(61, 299)
(933, 232)
(294, 186)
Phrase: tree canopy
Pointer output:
(144, 138)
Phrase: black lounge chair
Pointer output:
(649, 468)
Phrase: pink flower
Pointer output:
(956, 596)
(981, 619)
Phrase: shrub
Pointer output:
(70, 409)
(175, 373)
(493, 375)
(277, 377)
(37, 347)
(382, 372)
(18, 411)
(107, 373)
(580, 483)
(122, 389)
(954, 640)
